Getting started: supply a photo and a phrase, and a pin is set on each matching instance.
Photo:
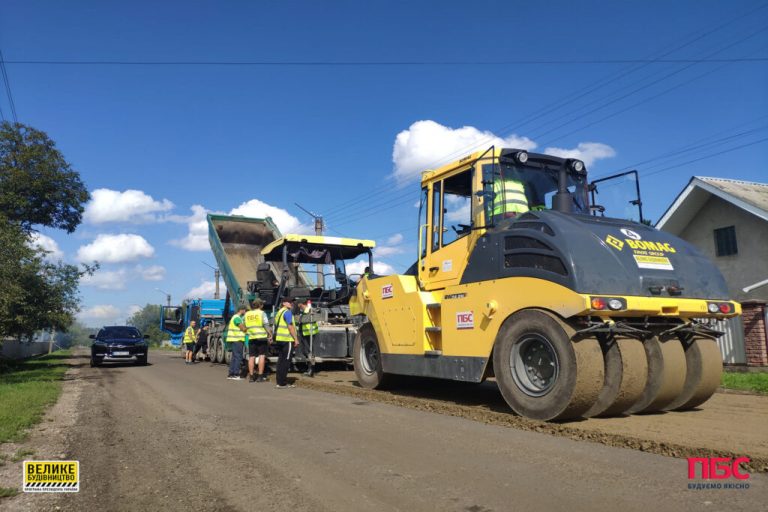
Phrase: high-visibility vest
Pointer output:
(234, 334)
(282, 333)
(510, 198)
(309, 328)
(189, 335)
(254, 322)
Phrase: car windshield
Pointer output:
(119, 332)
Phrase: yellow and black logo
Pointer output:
(614, 242)
(51, 476)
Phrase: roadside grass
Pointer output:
(8, 492)
(27, 388)
(749, 381)
(20, 455)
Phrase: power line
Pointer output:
(8, 88)
(300, 63)
(569, 99)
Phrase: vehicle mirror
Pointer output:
(92, 336)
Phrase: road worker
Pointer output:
(189, 341)
(509, 199)
(309, 330)
(236, 339)
(285, 339)
(259, 337)
(202, 342)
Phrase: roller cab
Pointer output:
(519, 276)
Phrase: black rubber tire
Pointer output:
(666, 375)
(704, 368)
(218, 353)
(371, 378)
(142, 361)
(94, 362)
(227, 355)
(626, 373)
(580, 367)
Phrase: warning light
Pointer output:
(598, 303)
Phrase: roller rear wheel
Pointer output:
(626, 373)
(704, 365)
(367, 359)
(666, 375)
(541, 373)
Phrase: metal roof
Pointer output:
(747, 195)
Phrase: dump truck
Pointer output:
(521, 278)
(175, 319)
(257, 261)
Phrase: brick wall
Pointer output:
(755, 339)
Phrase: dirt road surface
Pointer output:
(174, 437)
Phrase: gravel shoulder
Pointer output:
(728, 425)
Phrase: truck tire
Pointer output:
(540, 372)
(367, 359)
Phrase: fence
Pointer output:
(14, 349)
(732, 342)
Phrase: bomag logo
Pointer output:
(614, 242)
(650, 246)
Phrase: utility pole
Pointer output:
(216, 275)
(319, 227)
(167, 296)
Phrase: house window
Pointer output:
(725, 241)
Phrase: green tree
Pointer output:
(75, 335)
(37, 185)
(37, 188)
(147, 320)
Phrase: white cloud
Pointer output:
(390, 246)
(153, 273)
(587, 152)
(284, 221)
(115, 249)
(106, 279)
(130, 206)
(427, 144)
(104, 313)
(379, 267)
(46, 243)
(117, 279)
(133, 309)
(206, 289)
(197, 236)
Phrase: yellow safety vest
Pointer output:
(309, 328)
(189, 335)
(254, 322)
(234, 334)
(282, 334)
(509, 199)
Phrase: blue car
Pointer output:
(119, 343)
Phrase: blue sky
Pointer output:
(347, 141)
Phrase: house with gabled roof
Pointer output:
(728, 221)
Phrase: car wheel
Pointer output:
(142, 360)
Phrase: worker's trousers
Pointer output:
(237, 359)
(283, 361)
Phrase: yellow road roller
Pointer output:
(522, 278)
